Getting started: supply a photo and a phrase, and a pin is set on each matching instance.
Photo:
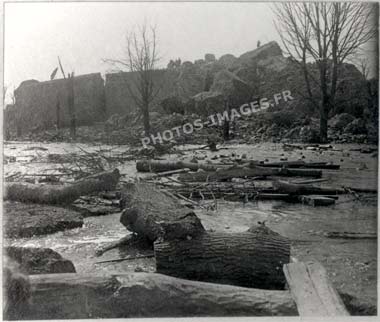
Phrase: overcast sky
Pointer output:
(84, 33)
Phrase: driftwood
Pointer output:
(57, 194)
(245, 172)
(253, 258)
(153, 213)
(75, 296)
(163, 166)
(312, 291)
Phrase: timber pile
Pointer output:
(75, 296)
(244, 181)
(61, 194)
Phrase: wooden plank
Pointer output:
(312, 291)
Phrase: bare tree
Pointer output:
(141, 58)
(326, 34)
(69, 81)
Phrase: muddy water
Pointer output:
(351, 264)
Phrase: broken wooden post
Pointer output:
(253, 258)
(312, 291)
(61, 194)
(133, 295)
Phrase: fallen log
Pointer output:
(57, 194)
(166, 173)
(253, 258)
(299, 189)
(133, 295)
(163, 166)
(244, 172)
(153, 213)
(301, 164)
(312, 291)
(350, 235)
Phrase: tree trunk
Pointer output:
(58, 114)
(146, 120)
(324, 104)
(253, 258)
(75, 296)
(323, 124)
(153, 213)
(70, 85)
(65, 194)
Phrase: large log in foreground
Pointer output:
(154, 213)
(74, 296)
(252, 259)
(312, 291)
(56, 194)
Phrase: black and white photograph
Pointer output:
(179, 159)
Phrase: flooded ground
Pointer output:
(351, 264)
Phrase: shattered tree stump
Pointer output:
(74, 296)
(57, 194)
(253, 258)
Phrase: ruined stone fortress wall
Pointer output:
(36, 103)
(118, 97)
(95, 100)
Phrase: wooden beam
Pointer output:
(312, 291)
